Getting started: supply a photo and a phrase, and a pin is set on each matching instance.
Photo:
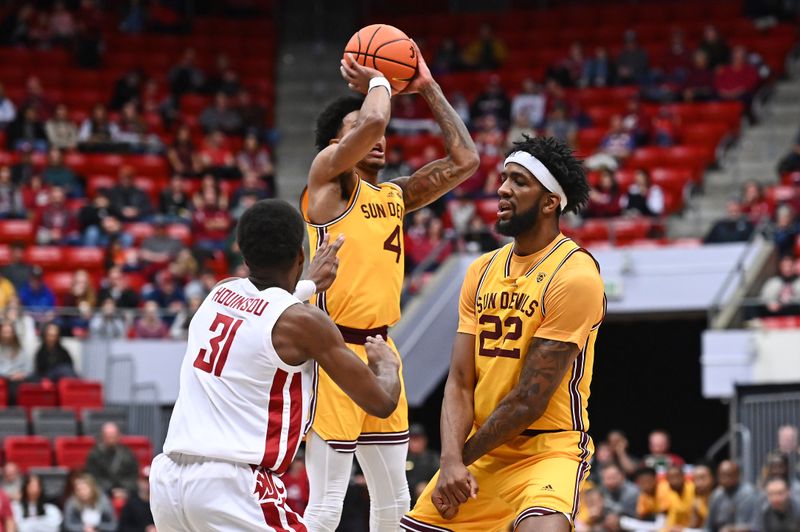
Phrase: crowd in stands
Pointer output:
(109, 493)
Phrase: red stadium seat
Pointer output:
(180, 232)
(630, 229)
(139, 231)
(3, 393)
(5, 254)
(704, 133)
(487, 209)
(695, 157)
(48, 257)
(32, 394)
(86, 258)
(17, 231)
(594, 230)
(647, 157)
(95, 183)
(141, 447)
(28, 451)
(80, 394)
(589, 138)
(59, 282)
(71, 451)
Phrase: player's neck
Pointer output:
(367, 174)
(263, 281)
(536, 238)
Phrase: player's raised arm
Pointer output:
(438, 177)
(370, 127)
(544, 368)
(304, 332)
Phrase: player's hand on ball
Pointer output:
(423, 76)
(445, 510)
(379, 353)
(357, 76)
(325, 265)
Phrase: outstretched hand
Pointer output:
(322, 270)
(356, 75)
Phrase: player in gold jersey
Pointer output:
(344, 197)
(515, 447)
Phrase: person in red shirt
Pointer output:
(57, 224)
(604, 201)
(739, 80)
(216, 157)
(753, 203)
(211, 224)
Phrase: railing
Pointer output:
(729, 439)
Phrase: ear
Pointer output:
(301, 258)
(551, 203)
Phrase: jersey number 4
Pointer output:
(393, 243)
(220, 344)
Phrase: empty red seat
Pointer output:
(589, 138)
(141, 447)
(180, 232)
(28, 451)
(487, 209)
(5, 254)
(87, 258)
(695, 157)
(630, 229)
(80, 394)
(71, 451)
(47, 257)
(3, 393)
(32, 394)
(97, 182)
(704, 133)
(59, 282)
(139, 231)
(17, 231)
(594, 230)
(647, 157)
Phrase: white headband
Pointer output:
(540, 172)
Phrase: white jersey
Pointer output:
(238, 401)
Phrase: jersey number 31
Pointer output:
(220, 344)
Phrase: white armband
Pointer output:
(305, 289)
(380, 81)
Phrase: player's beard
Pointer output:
(372, 166)
(519, 223)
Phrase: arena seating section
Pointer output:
(536, 40)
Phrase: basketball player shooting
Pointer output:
(343, 197)
(514, 420)
(246, 387)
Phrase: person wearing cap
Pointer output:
(422, 463)
(36, 295)
(515, 446)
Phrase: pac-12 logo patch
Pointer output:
(540, 277)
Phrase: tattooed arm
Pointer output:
(544, 368)
(438, 177)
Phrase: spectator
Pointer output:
(160, 248)
(489, 137)
(11, 204)
(133, 130)
(57, 224)
(643, 197)
(88, 509)
(185, 267)
(150, 325)
(653, 496)
(664, 128)
(6, 514)
(136, 515)
(61, 131)
(699, 83)
(62, 24)
(592, 515)
(478, 237)
(26, 131)
(676, 61)
(777, 465)
(780, 513)
(89, 35)
(733, 503)
(681, 498)
(174, 202)
(128, 202)
(780, 295)
(252, 113)
(166, 292)
(35, 294)
(134, 18)
(448, 57)
(35, 97)
(185, 76)
(40, 32)
(58, 174)
(32, 513)
(635, 121)
(180, 325)
(422, 463)
(211, 222)
(632, 61)
(618, 443)
(107, 322)
(53, 361)
(116, 287)
(224, 79)
(24, 170)
(127, 88)
(715, 48)
(11, 483)
(604, 201)
(703, 478)
(253, 187)
(733, 228)
(255, 158)
(520, 129)
(788, 446)
(8, 112)
(493, 101)
(660, 457)
(98, 224)
(620, 494)
(791, 161)
(182, 155)
(15, 363)
(785, 230)
(616, 146)
(17, 271)
(81, 291)
(486, 52)
(7, 292)
(98, 133)
(531, 102)
(200, 287)
(738, 80)
(461, 107)
(111, 463)
(569, 70)
(561, 126)
(216, 157)
(220, 116)
(396, 164)
(598, 70)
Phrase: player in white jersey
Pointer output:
(247, 388)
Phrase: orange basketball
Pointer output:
(387, 49)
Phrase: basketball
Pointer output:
(387, 49)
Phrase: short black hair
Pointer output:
(270, 234)
(329, 121)
(644, 471)
(562, 163)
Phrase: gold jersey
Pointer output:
(366, 292)
(507, 300)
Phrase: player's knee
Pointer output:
(323, 517)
